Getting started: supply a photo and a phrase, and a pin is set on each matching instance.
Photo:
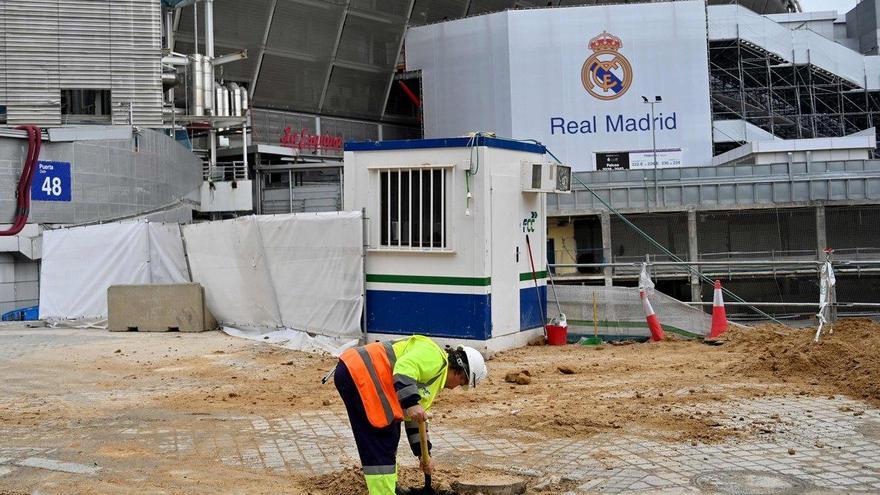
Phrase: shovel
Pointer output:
(426, 458)
(428, 489)
(594, 340)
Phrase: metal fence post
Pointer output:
(364, 271)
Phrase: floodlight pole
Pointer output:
(656, 99)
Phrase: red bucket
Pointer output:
(557, 335)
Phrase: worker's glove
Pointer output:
(427, 468)
(416, 413)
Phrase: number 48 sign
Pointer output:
(51, 182)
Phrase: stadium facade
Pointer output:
(174, 108)
(726, 135)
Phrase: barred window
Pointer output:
(412, 208)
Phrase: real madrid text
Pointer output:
(613, 123)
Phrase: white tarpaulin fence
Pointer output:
(296, 271)
(80, 263)
(619, 312)
(267, 276)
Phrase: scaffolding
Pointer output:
(788, 100)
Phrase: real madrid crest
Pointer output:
(606, 74)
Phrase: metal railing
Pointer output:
(731, 187)
(741, 267)
(234, 171)
(721, 263)
(770, 255)
(791, 304)
(715, 268)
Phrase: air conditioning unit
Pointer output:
(546, 177)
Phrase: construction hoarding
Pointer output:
(80, 263)
(297, 271)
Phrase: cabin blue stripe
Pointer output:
(530, 316)
(465, 316)
(459, 142)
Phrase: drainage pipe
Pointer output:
(23, 203)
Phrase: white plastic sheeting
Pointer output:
(620, 313)
(298, 271)
(80, 263)
(645, 282)
(827, 299)
(294, 339)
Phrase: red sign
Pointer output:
(305, 140)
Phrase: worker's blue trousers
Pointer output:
(377, 447)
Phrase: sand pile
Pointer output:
(579, 391)
(351, 481)
(847, 361)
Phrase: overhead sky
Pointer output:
(841, 6)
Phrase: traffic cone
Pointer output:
(653, 322)
(719, 314)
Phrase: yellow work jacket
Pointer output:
(419, 370)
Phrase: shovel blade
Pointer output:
(416, 491)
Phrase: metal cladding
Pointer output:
(170, 79)
(177, 3)
(208, 85)
(50, 45)
(235, 99)
(208, 97)
(110, 177)
(221, 100)
(197, 84)
(245, 102)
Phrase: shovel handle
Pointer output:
(423, 442)
(426, 456)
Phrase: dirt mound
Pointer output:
(641, 388)
(351, 481)
(847, 361)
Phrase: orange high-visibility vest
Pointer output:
(372, 369)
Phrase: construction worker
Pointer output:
(384, 383)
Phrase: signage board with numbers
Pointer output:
(51, 182)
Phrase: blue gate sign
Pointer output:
(51, 182)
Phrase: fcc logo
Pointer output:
(606, 74)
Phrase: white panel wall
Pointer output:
(466, 234)
(469, 86)
(465, 75)
(728, 131)
(669, 58)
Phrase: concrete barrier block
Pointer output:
(158, 308)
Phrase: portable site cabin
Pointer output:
(447, 223)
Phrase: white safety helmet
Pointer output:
(476, 366)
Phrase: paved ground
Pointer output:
(806, 445)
